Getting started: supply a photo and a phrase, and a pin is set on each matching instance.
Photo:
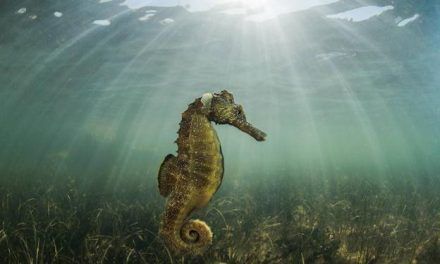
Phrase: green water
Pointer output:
(349, 172)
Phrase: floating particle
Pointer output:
(406, 21)
(167, 21)
(146, 17)
(102, 22)
(21, 10)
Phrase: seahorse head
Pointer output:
(223, 110)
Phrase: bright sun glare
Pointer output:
(251, 4)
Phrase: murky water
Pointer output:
(91, 96)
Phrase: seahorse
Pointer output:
(189, 180)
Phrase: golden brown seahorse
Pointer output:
(191, 179)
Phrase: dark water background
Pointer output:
(349, 172)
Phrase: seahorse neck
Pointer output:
(188, 124)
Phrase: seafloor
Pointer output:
(346, 220)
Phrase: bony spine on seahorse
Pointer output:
(190, 180)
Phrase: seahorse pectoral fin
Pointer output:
(167, 175)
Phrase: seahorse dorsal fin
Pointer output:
(206, 100)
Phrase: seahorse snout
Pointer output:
(251, 130)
